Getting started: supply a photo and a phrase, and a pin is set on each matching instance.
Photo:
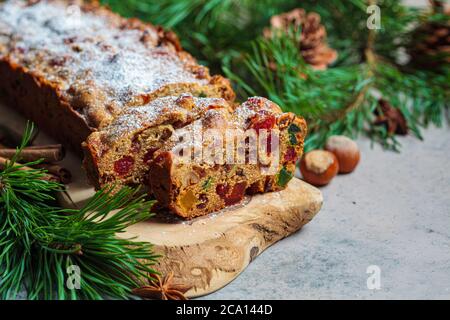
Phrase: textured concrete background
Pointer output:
(393, 212)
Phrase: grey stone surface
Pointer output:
(393, 212)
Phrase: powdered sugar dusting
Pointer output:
(89, 49)
(157, 112)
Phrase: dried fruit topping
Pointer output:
(214, 107)
(186, 101)
(58, 61)
(283, 177)
(256, 102)
(188, 200)
(290, 155)
(190, 178)
(285, 119)
(222, 190)
(293, 130)
(200, 72)
(203, 197)
(200, 171)
(237, 194)
(201, 206)
(149, 155)
(203, 201)
(69, 40)
(260, 122)
(293, 139)
(207, 184)
(123, 166)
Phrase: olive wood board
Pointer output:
(207, 253)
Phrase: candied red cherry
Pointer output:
(123, 166)
(237, 194)
(261, 121)
(290, 155)
(222, 190)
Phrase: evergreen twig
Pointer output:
(39, 240)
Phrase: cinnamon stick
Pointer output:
(63, 174)
(46, 177)
(48, 153)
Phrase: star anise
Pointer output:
(162, 289)
(391, 117)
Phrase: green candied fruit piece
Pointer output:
(283, 177)
(293, 130)
(207, 184)
(293, 139)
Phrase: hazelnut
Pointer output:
(319, 167)
(346, 151)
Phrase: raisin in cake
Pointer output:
(71, 66)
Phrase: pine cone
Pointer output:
(312, 42)
(392, 118)
(430, 44)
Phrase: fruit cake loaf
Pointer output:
(193, 188)
(71, 66)
(120, 152)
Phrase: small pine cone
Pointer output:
(312, 43)
(430, 43)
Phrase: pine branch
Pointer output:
(39, 240)
(340, 100)
(322, 98)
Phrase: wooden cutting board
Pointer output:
(209, 252)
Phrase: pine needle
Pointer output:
(40, 242)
